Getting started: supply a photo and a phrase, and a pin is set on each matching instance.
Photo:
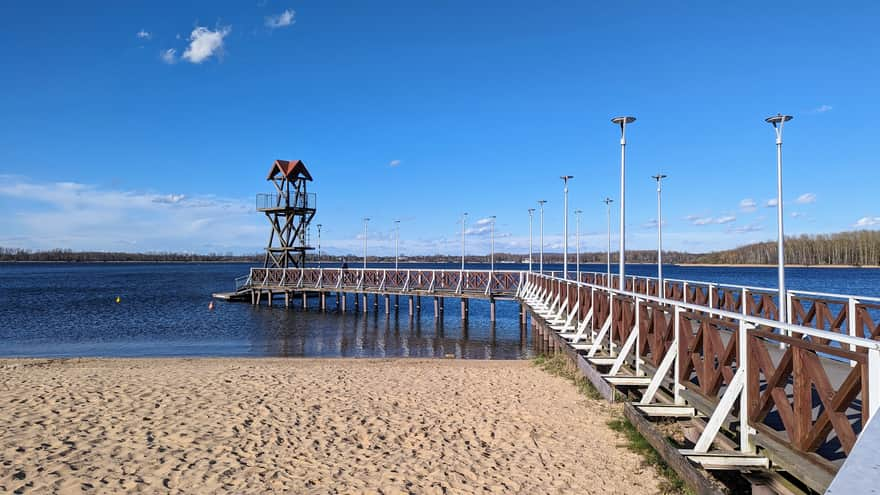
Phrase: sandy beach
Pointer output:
(305, 426)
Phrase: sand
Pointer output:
(305, 426)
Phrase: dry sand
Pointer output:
(305, 426)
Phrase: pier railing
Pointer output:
(470, 283)
(808, 387)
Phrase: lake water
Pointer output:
(68, 310)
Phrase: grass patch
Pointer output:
(560, 366)
(635, 442)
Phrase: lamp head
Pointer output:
(777, 119)
(623, 120)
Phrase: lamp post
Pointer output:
(622, 121)
(778, 121)
(577, 244)
(366, 220)
(608, 202)
(463, 223)
(319, 245)
(541, 204)
(565, 179)
(492, 249)
(396, 243)
(660, 291)
(531, 213)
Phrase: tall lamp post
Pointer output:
(463, 223)
(577, 243)
(541, 204)
(319, 244)
(366, 221)
(622, 122)
(396, 243)
(660, 291)
(492, 249)
(778, 121)
(608, 202)
(531, 214)
(565, 179)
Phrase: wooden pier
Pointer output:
(782, 403)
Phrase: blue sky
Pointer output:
(149, 126)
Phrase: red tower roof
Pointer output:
(292, 170)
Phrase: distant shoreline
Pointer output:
(753, 265)
(243, 262)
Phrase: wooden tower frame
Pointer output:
(289, 210)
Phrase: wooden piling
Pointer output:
(340, 299)
(286, 299)
(492, 309)
(269, 299)
(436, 307)
(464, 308)
(411, 308)
(305, 300)
(364, 296)
(387, 304)
(323, 301)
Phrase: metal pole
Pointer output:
(778, 121)
(319, 245)
(396, 243)
(492, 255)
(565, 225)
(622, 121)
(366, 219)
(541, 247)
(660, 291)
(531, 212)
(463, 223)
(608, 202)
(577, 244)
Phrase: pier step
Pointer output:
(666, 410)
(725, 460)
(602, 361)
(628, 381)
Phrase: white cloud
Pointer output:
(771, 203)
(797, 214)
(823, 109)
(394, 163)
(725, 219)
(748, 205)
(87, 217)
(205, 43)
(698, 220)
(867, 222)
(169, 56)
(806, 198)
(744, 229)
(281, 20)
(144, 35)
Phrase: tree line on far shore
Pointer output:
(859, 248)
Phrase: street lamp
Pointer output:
(778, 121)
(492, 251)
(396, 243)
(531, 213)
(366, 220)
(541, 204)
(608, 202)
(565, 179)
(577, 243)
(660, 291)
(319, 245)
(622, 121)
(463, 223)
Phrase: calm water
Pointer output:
(70, 310)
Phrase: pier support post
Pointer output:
(464, 308)
(340, 299)
(522, 314)
(492, 309)
(286, 299)
(269, 299)
(396, 301)
(411, 308)
(305, 300)
(323, 301)
(387, 304)
(253, 297)
(418, 304)
(376, 302)
(364, 295)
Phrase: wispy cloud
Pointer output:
(144, 35)
(725, 219)
(281, 20)
(394, 163)
(205, 43)
(83, 216)
(771, 203)
(806, 198)
(744, 229)
(169, 56)
(698, 220)
(867, 222)
(748, 205)
(822, 109)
